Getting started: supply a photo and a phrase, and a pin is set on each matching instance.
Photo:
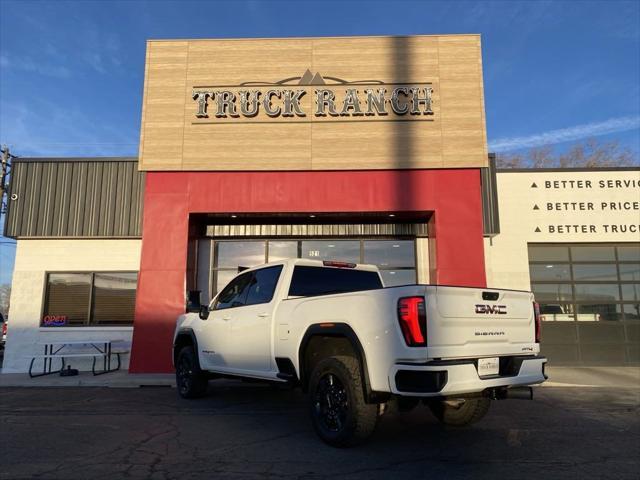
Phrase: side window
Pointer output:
(309, 281)
(234, 294)
(263, 285)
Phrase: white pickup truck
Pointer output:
(356, 347)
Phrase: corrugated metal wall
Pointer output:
(312, 230)
(75, 198)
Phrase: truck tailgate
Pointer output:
(474, 322)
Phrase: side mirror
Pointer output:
(204, 312)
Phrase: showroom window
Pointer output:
(229, 256)
(89, 299)
(583, 282)
(396, 259)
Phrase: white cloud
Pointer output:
(95, 60)
(57, 53)
(45, 129)
(613, 125)
(28, 64)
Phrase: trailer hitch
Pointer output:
(516, 393)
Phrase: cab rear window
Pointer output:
(309, 281)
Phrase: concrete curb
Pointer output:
(86, 379)
(559, 377)
(577, 385)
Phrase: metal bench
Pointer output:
(54, 350)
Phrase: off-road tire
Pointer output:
(191, 382)
(471, 411)
(357, 419)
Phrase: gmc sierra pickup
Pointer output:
(356, 347)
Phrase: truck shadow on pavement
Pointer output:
(255, 431)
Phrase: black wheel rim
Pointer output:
(184, 373)
(331, 404)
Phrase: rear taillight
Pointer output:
(412, 316)
(537, 318)
(4, 328)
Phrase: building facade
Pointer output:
(572, 236)
(364, 149)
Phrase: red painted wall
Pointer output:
(455, 228)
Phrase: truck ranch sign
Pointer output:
(372, 101)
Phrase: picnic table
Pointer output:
(65, 349)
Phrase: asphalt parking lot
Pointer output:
(256, 431)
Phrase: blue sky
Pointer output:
(71, 72)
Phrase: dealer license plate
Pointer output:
(488, 366)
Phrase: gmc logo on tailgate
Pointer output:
(491, 309)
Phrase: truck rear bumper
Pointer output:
(457, 377)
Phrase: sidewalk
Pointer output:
(611, 377)
(598, 377)
(119, 379)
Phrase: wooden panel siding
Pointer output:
(174, 138)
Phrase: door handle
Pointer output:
(263, 315)
(226, 319)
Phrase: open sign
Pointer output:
(54, 320)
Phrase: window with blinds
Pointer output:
(67, 299)
(91, 298)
